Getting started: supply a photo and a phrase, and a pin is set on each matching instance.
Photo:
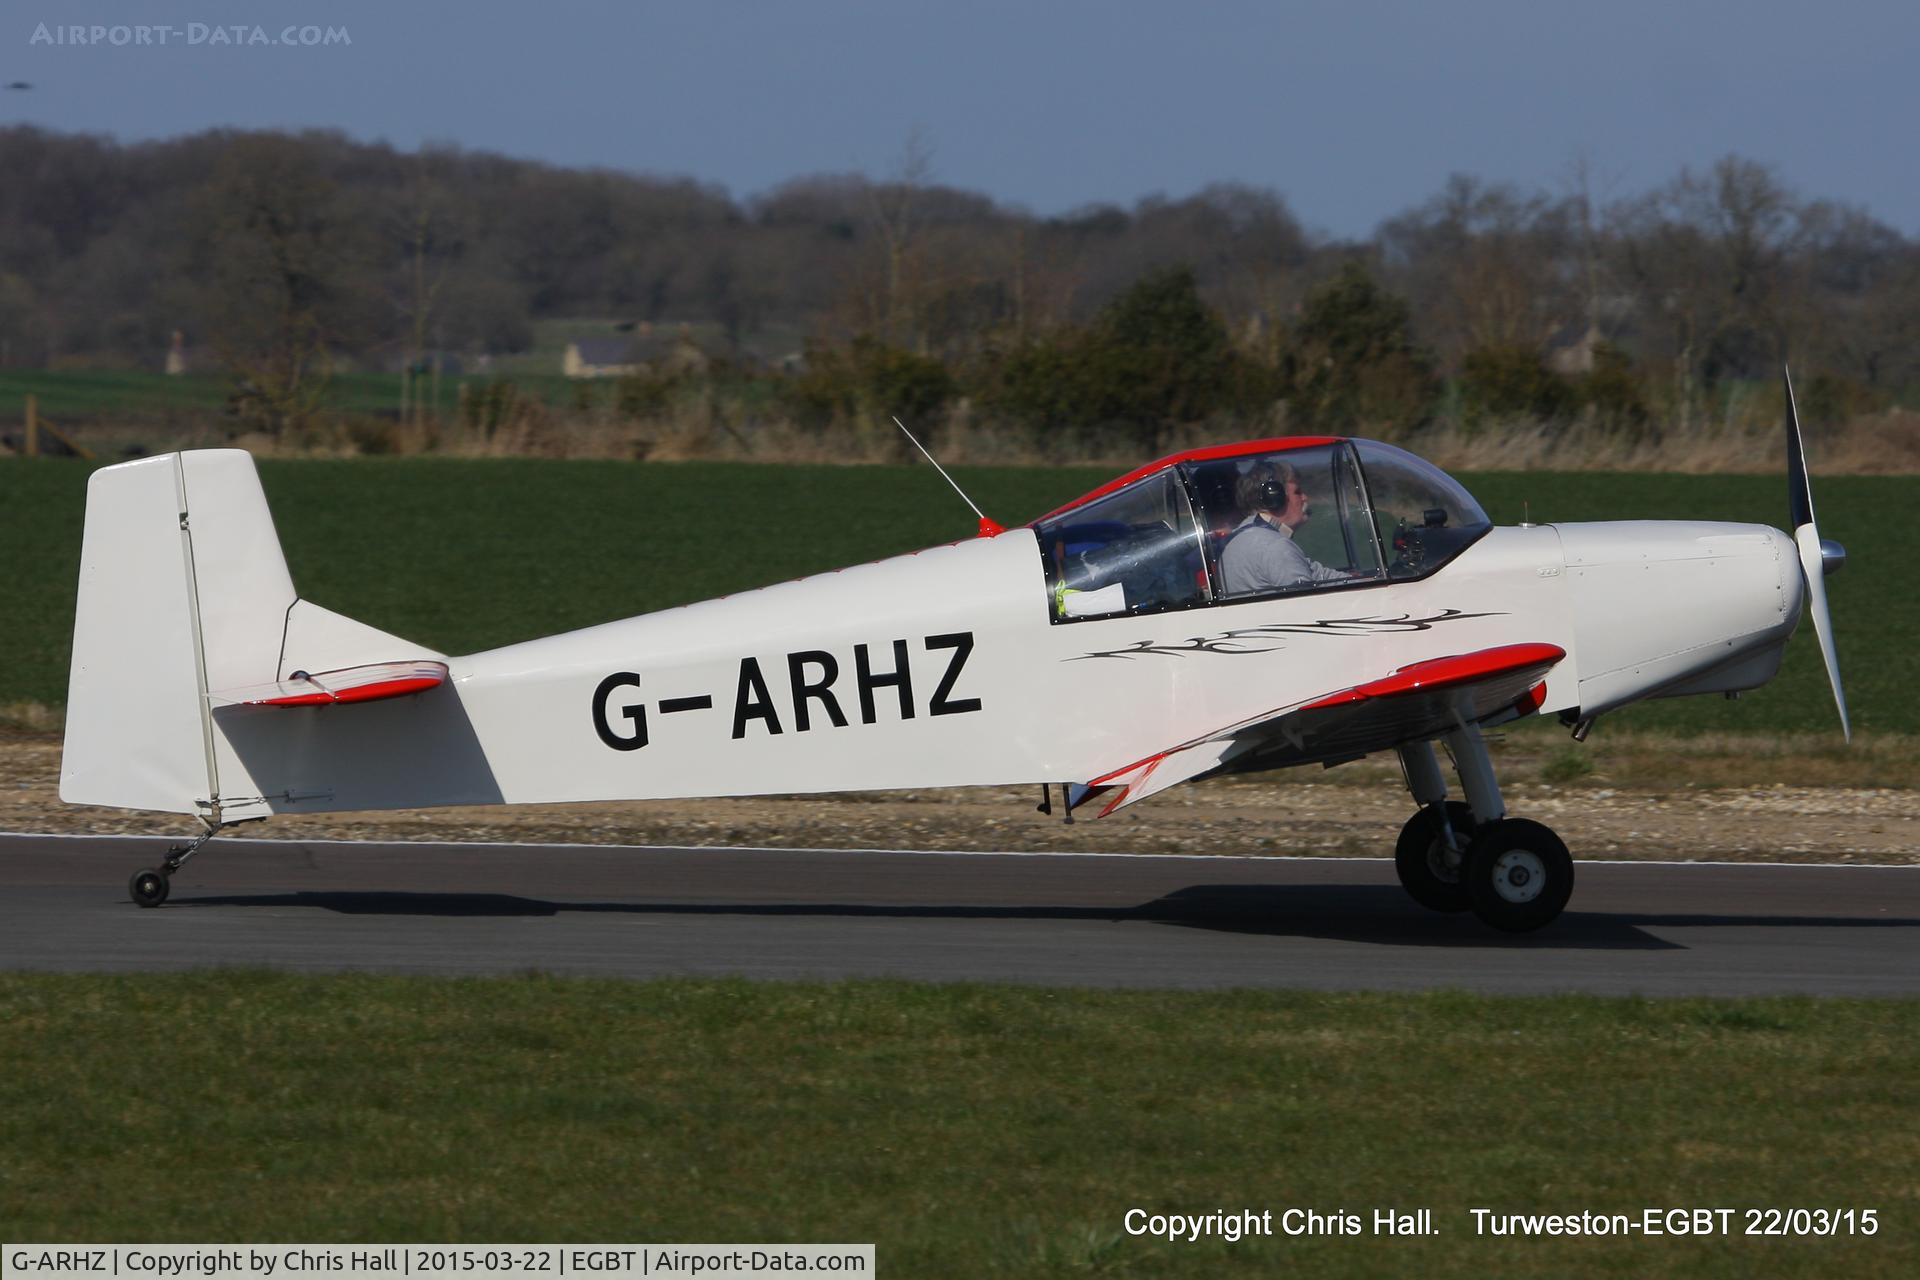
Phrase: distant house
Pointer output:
(645, 352)
(599, 358)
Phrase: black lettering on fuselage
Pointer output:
(635, 713)
(750, 700)
(811, 676)
(901, 678)
(805, 690)
(961, 642)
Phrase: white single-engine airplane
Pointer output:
(1118, 645)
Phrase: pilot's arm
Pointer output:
(1295, 568)
(1259, 559)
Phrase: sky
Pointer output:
(1353, 111)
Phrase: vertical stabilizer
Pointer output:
(182, 587)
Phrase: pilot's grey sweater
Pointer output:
(1261, 557)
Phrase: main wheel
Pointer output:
(1519, 875)
(1432, 875)
(149, 888)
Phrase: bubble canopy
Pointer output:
(1253, 521)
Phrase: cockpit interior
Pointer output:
(1357, 512)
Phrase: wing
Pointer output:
(1416, 702)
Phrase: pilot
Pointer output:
(1260, 554)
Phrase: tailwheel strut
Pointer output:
(150, 886)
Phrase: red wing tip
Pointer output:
(1454, 669)
(1532, 700)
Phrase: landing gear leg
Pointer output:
(150, 887)
(1475, 767)
(1518, 874)
(1430, 855)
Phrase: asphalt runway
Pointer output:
(1083, 920)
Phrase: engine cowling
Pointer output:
(1663, 608)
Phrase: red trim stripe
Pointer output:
(1278, 444)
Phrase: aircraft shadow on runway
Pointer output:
(1378, 914)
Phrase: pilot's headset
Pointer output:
(1272, 491)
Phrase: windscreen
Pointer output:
(1424, 516)
(1135, 551)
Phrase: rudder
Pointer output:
(183, 588)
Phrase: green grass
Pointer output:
(464, 555)
(967, 1130)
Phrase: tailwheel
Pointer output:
(1519, 875)
(149, 888)
(1432, 873)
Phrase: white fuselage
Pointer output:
(943, 668)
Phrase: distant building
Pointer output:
(599, 358)
(646, 352)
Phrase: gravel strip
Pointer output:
(1308, 813)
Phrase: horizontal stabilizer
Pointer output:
(372, 683)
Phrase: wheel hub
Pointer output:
(1519, 876)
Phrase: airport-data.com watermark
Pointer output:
(188, 35)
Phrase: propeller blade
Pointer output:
(1799, 490)
(1813, 569)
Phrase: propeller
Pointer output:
(1818, 557)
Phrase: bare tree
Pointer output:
(274, 260)
(1854, 298)
(423, 229)
(1584, 208)
(893, 207)
(1706, 258)
(1484, 265)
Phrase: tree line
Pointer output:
(286, 255)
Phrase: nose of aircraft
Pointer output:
(1665, 606)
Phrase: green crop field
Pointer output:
(966, 1130)
(464, 555)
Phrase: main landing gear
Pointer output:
(150, 887)
(1513, 873)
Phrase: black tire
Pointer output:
(1519, 875)
(149, 888)
(1420, 858)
